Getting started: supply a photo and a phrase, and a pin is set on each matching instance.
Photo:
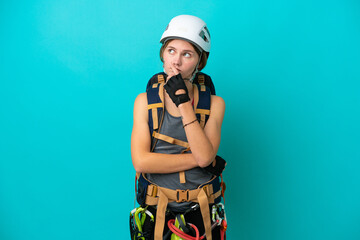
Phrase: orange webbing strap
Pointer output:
(161, 92)
(155, 118)
(203, 111)
(185, 150)
(170, 139)
(154, 107)
(153, 194)
(182, 177)
(164, 199)
(202, 119)
(162, 196)
(154, 111)
(205, 212)
(160, 216)
(161, 78)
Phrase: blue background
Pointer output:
(289, 72)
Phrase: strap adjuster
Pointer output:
(182, 195)
(208, 190)
(154, 190)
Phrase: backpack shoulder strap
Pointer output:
(155, 97)
(204, 79)
(157, 78)
(202, 103)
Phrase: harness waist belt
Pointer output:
(178, 195)
(161, 196)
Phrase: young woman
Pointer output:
(184, 52)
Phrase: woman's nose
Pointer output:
(177, 60)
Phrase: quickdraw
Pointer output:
(138, 231)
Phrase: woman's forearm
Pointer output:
(150, 162)
(201, 147)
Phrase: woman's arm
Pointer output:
(204, 144)
(143, 159)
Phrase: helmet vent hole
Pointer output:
(202, 35)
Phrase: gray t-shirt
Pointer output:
(172, 126)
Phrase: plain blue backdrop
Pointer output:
(288, 71)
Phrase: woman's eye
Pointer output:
(187, 55)
(171, 51)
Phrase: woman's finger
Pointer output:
(173, 72)
(174, 69)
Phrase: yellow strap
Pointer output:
(202, 120)
(170, 140)
(204, 208)
(161, 93)
(182, 173)
(160, 216)
(161, 78)
(155, 118)
(182, 177)
(152, 190)
(155, 105)
(202, 88)
(202, 111)
(185, 150)
(153, 194)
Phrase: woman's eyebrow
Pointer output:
(184, 50)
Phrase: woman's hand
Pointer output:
(176, 88)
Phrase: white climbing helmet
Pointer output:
(189, 28)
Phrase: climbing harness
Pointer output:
(149, 193)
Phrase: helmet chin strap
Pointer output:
(196, 68)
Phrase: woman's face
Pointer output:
(180, 56)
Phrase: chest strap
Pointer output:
(170, 140)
